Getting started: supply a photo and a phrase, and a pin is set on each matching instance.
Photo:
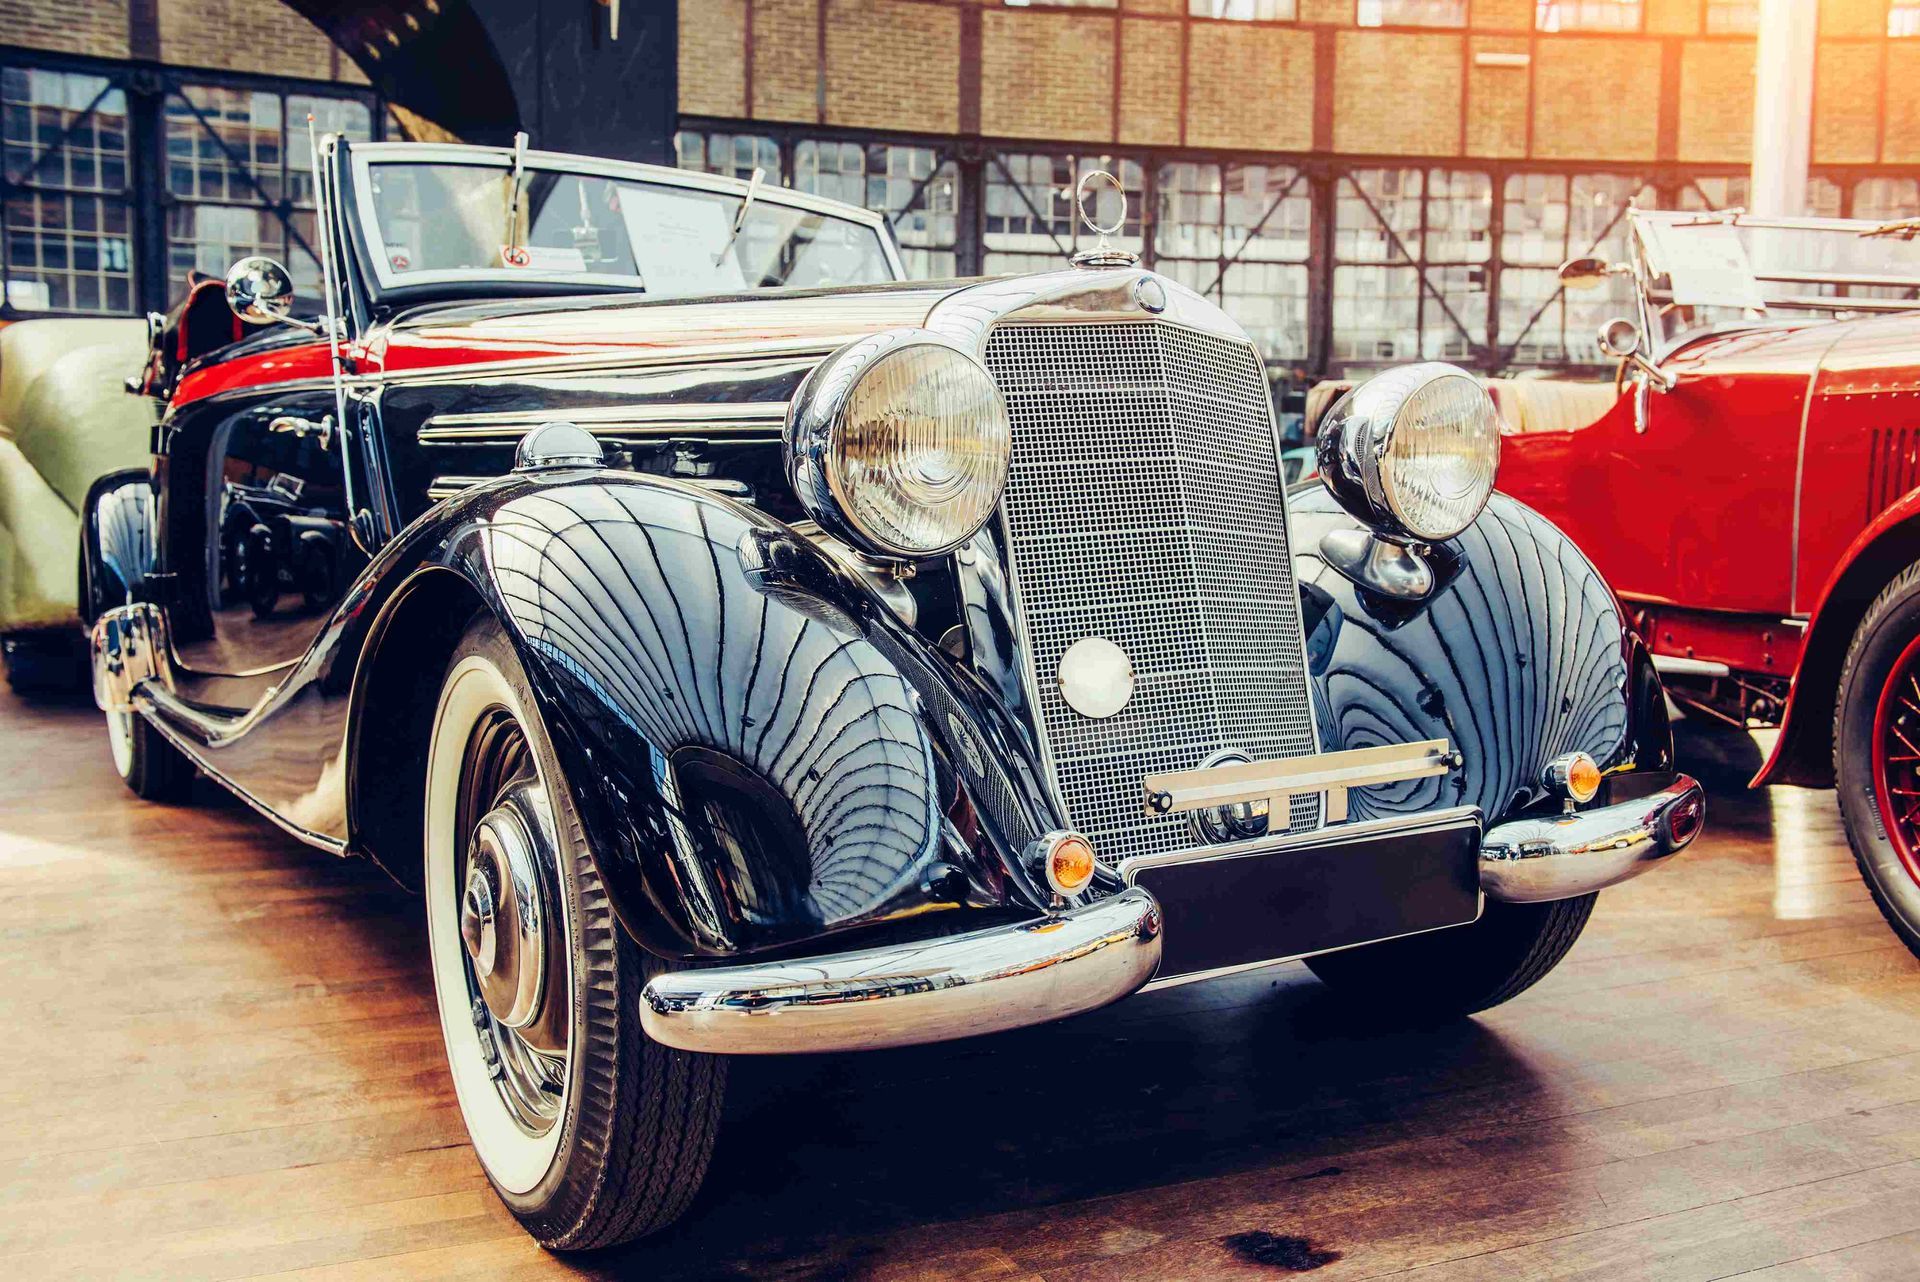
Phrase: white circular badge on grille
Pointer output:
(1096, 677)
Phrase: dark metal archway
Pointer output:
(596, 76)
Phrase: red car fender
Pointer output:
(1803, 754)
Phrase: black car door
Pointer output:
(257, 544)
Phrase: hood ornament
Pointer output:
(1095, 185)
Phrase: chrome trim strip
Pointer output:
(445, 487)
(1800, 475)
(1532, 861)
(1278, 781)
(757, 352)
(1674, 665)
(908, 994)
(758, 417)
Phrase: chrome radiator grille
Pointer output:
(1144, 506)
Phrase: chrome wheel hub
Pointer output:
(502, 922)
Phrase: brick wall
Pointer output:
(1716, 100)
(249, 35)
(1595, 99)
(1846, 106)
(1150, 76)
(1250, 88)
(1901, 143)
(1046, 75)
(713, 57)
(893, 65)
(96, 27)
(786, 59)
(1672, 17)
(1497, 100)
(1049, 74)
(1397, 94)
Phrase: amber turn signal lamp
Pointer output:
(1575, 776)
(1066, 861)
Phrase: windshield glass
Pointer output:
(1706, 274)
(440, 218)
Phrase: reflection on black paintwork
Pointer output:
(1515, 659)
(796, 783)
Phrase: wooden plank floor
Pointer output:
(222, 1062)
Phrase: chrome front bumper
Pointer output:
(1531, 861)
(935, 990)
(1034, 971)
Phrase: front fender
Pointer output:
(754, 762)
(1520, 654)
(116, 541)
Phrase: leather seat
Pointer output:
(1548, 405)
(65, 420)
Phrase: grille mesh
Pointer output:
(1144, 505)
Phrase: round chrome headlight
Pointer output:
(898, 444)
(1413, 451)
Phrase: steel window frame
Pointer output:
(148, 87)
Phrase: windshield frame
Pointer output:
(366, 231)
(1772, 284)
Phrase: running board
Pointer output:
(1277, 782)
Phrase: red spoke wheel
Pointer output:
(1896, 757)
(1876, 752)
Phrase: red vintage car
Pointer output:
(1750, 485)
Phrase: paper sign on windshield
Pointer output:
(675, 241)
(1708, 266)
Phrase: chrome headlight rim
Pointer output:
(1358, 434)
(816, 423)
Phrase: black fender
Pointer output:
(1521, 653)
(758, 751)
(117, 541)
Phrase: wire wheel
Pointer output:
(1896, 757)
(498, 927)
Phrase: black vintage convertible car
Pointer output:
(747, 651)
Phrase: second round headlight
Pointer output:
(900, 443)
(1413, 451)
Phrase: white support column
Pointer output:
(1783, 106)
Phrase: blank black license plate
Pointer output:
(1317, 891)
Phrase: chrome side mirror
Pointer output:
(1588, 273)
(260, 291)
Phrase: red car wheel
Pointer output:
(1896, 756)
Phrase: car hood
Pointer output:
(602, 328)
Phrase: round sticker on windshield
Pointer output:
(515, 256)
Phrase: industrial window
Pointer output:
(1547, 219)
(1063, 4)
(1731, 191)
(239, 169)
(1410, 254)
(1733, 17)
(914, 187)
(735, 155)
(1885, 199)
(1903, 18)
(68, 231)
(1031, 222)
(1245, 10)
(1587, 15)
(1412, 13)
(1239, 234)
